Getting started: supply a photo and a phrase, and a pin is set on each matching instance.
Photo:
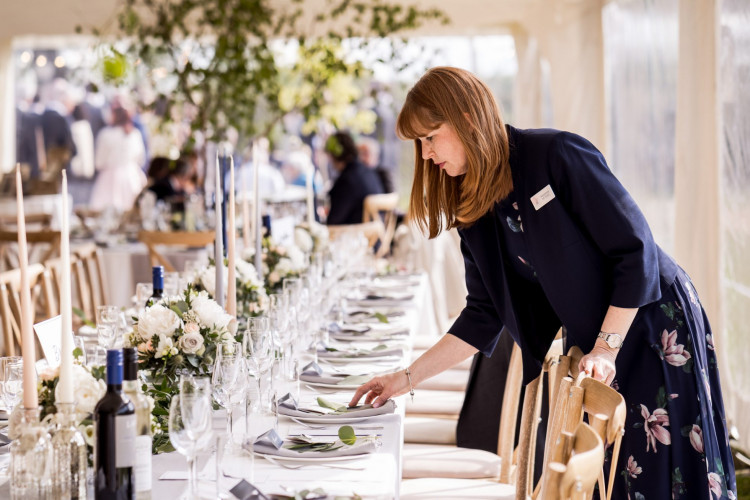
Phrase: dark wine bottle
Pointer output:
(157, 273)
(115, 430)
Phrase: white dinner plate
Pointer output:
(318, 419)
(344, 387)
(342, 458)
(371, 359)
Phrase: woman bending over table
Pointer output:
(550, 238)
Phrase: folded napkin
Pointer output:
(359, 448)
(383, 295)
(380, 351)
(335, 379)
(291, 410)
(373, 334)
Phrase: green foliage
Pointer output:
(217, 62)
(347, 435)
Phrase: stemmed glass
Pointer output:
(12, 381)
(107, 318)
(259, 352)
(228, 379)
(190, 423)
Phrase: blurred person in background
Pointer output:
(58, 143)
(354, 182)
(175, 183)
(369, 154)
(82, 164)
(119, 156)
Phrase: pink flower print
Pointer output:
(710, 341)
(714, 484)
(633, 468)
(674, 353)
(696, 438)
(654, 425)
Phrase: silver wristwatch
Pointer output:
(613, 340)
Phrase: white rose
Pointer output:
(284, 267)
(88, 390)
(297, 257)
(248, 253)
(49, 373)
(210, 314)
(246, 272)
(303, 240)
(157, 320)
(190, 343)
(165, 347)
(88, 433)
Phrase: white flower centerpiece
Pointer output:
(252, 299)
(279, 262)
(178, 335)
(311, 239)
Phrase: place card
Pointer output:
(288, 401)
(312, 368)
(270, 438)
(48, 333)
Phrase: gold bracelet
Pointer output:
(411, 387)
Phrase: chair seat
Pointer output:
(449, 380)
(435, 403)
(457, 489)
(430, 430)
(444, 461)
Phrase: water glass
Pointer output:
(106, 335)
(107, 315)
(228, 379)
(190, 430)
(12, 381)
(143, 292)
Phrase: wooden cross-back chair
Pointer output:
(603, 407)
(516, 476)
(375, 206)
(191, 239)
(33, 221)
(43, 304)
(577, 459)
(42, 245)
(89, 279)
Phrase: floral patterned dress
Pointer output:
(676, 443)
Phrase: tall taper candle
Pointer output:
(310, 190)
(30, 399)
(231, 232)
(245, 214)
(258, 225)
(66, 311)
(219, 243)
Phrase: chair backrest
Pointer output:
(42, 245)
(603, 407)
(578, 458)
(385, 204)
(33, 221)
(90, 281)
(193, 239)
(43, 304)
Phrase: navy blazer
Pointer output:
(590, 246)
(348, 193)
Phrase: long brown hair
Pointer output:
(457, 97)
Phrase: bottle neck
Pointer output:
(114, 387)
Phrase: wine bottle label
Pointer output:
(125, 440)
(143, 463)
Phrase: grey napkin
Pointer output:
(358, 411)
(373, 334)
(362, 448)
(329, 379)
(383, 353)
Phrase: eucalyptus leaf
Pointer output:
(323, 403)
(381, 317)
(347, 435)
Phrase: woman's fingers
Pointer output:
(365, 388)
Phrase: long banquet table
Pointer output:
(382, 470)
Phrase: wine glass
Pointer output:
(13, 381)
(190, 430)
(228, 379)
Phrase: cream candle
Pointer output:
(30, 398)
(256, 198)
(66, 311)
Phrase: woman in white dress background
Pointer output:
(119, 156)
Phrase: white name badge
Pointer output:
(48, 333)
(542, 197)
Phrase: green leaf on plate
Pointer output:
(381, 317)
(323, 403)
(346, 435)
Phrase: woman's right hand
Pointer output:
(380, 389)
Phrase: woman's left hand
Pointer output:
(599, 364)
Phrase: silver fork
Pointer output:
(308, 425)
(300, 466)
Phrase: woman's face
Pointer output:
(445, 149)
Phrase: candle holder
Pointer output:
(69, 455)
(31, 458)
